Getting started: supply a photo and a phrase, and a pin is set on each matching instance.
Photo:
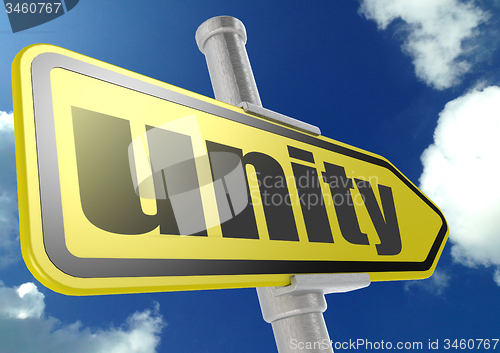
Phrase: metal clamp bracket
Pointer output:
(280, 118)
(324, 283)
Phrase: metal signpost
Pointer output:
(129, 185)
(295, 311)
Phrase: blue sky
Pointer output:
(414, 81)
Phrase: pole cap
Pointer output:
(216, 25)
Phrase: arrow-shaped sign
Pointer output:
(127, 184)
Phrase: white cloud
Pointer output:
(6, 121)
(21, 303)
(436, 284)
(24, 328)
(437, 31)
(461, 171)
(9, 224)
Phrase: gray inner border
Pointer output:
(51, 206)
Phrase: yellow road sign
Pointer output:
(127, 184)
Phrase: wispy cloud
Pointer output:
(461, 170)
(25, 328)
(22, 302)
(6, 121)
(436, 34)
(436, 284)
(9, 223)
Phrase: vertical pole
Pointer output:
(295, 319)
(222, 39)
